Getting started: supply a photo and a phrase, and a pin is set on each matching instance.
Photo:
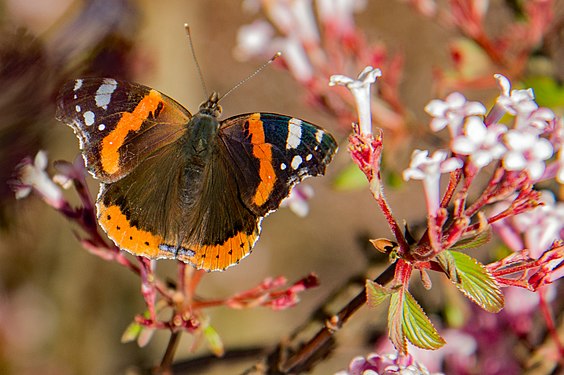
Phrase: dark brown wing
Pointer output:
(272, 153)
(166, 209)
(118, 123)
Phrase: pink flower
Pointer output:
(386, 364)
(542, 225)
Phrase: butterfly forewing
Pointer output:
(118, 123)
(273, 152)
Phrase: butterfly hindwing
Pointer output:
(119, 123)
(272, 153)
(169, 208)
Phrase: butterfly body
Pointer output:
(183, 186)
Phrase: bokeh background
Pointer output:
(62, 310)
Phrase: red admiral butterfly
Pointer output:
(182, 186)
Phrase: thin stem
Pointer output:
(549, 320)
(168, 357)
(321, 343)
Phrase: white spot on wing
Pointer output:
(283, 166)
(77, 84)
(78, 109)
(296, 162)
(309, 157)
(294, 133)
(104, 93)
(89, 118)
(101, 127)
(319, 135)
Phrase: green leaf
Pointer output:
(417, 327)
(407, 322)
(351, 178)
(395, 326)
(548, 92)
(376, 293)
(136, 331)
(214, 341)
(476, 282)
(447, 263)
(473, 242)
(131, 333)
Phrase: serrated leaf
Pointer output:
(477, 283)
(447, 263)
(417, 326)
(351, 178)
(214, 341)
(473, 242)
(376, 293)
(395, 326)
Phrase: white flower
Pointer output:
(298, 198)
(254, 40)
(526, 151)
(429, 169)
(522, 105)
(305, 21)
(360, 89)
(296, 57)
(538, 120)
(481, 143)
(542, 225)
(559, 139)
(293, 18)
(339, 13)
(515, 102)
(560, 173)
(34, 177)
(451, 112)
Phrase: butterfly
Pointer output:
(181, 186)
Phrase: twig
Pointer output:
(165, 367)
(279, 361)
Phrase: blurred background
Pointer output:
(62, 310)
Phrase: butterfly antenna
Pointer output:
(187, 28)
(276, 55)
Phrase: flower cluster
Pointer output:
(317, 39)
(387, 364)
(518, 139)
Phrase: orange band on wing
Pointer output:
(263, 152)
(219, 257)
(129, 122)
(127, 237)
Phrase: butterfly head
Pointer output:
(211, 106)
